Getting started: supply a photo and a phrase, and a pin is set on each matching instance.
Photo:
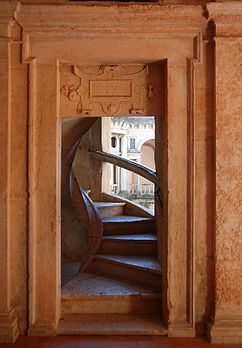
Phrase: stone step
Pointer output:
(129, 244)
(128, 224)
(141, 237)
(117, 324)
(97, 293)
(143, 269)
(110, 209)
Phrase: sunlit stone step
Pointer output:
(99, 293)
(109, 209)
(127, 224)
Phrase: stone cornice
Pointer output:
(227, 17)
(118, 17)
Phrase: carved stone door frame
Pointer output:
(111, 35)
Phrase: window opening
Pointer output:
(132, 143)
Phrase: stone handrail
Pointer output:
(137, 168)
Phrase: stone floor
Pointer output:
(113, 342)
(90, 284)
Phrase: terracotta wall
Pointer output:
(202, 134)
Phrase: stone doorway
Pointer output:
(55, 96)
(114, 89)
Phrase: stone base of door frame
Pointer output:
(225, 331)
(42, 329)
(181, 330)
(8, 327)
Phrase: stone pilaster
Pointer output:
(8, 320)
(226, 322)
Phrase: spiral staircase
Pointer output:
(116, 288)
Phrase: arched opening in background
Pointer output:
(136, 143)
(148, 160)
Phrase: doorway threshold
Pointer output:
(100, 304)
(111, 324)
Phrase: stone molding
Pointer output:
(7, 17)
(227, 18)
(156, 21)
(8, 319)
(41, 329)
(8, 327)
(226, 331)
(119, 17)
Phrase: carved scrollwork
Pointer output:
(71, 92)
(82, 111)
(111, 71)
(134, 112)
(112, 89)
(152, 91)
(110, 109)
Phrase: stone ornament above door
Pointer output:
(110, 90)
